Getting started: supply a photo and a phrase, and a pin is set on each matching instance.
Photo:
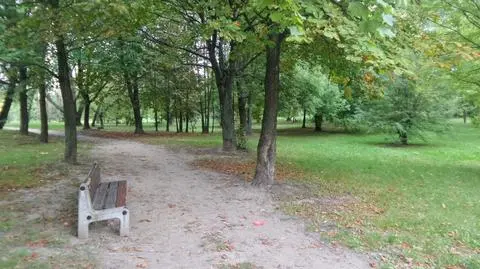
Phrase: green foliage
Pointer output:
(408, 111)
(312, 91)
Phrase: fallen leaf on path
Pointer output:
(145, 220)
(259, 223)
(172, 205)
(143, 264)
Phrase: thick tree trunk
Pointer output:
(7, 103)
(227, 115)
(23, 99)
(86, 114)
(318, 122)
(42, 92)
(69, 108)
(186, 122)
(266, 150)
(133, 93)
(304, 123)
(224, 81)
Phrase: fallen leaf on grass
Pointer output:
(32, 257)
(38, 244)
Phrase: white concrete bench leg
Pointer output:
(125, 223)
(84, 212)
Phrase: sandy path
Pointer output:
(182, 217)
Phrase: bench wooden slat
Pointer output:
(99, 197)
(121, 194)
(94, 176)
(111, 195)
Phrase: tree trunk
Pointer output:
(132, 88)
(266, 150)
(464, 116)
(242, 112)
(403, 138)
(23, 99)
(304, 123)
(186, 122)
(167, 128)
(224, 82)
(86, 115)
(7, 103)
(69, 108)
(78, 114)
(180, 124)
(156, 119)
(318, 122)
(42, 92)
(95, 116)
(249, 127)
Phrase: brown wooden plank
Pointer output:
(99, 196)
(94, 176)
(121, 194)
(111, 195)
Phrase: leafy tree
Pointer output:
(407, 110)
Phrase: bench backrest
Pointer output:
(93, 179)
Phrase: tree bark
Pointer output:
(78, 114)
(464, 116)
(133, 93)
(86, 114)
(304, 123)
(156, 119)
(266, 150)
(23, 99)
(249, 128)
(42, 92)
(242, 112)
(224, 81)
(69, 107)
(95, 116)
(7, 103)
(318, 122)
(167, 128)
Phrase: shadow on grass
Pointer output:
(303, 132)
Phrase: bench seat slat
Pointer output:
(121, 194)
(111, 195)
(99, 197)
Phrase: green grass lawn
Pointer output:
(418, 204)
(22, 159)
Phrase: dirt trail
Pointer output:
(182, 217)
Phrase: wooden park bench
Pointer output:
(102, 201)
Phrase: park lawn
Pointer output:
(418, 205)
(24, 158)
